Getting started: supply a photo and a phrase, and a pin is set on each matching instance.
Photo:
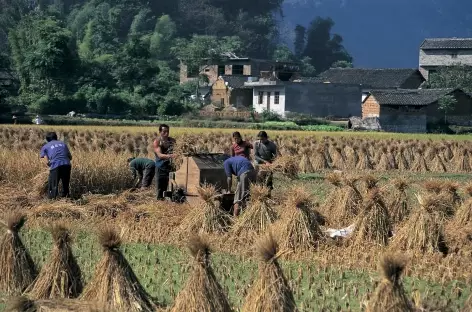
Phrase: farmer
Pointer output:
(265, 152)
(240, 147)
(15, 120)
(144, 169)
(58, 159)
(163, 146)
(242, 168)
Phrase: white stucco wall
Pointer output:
(277, 108)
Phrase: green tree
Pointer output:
(163, 38)
(447, 103)
(284, 54)
(307, 70)
(300, 40)
(323, 47)
(342, 64)
(459, 76)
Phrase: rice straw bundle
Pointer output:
(419, 164)
(350, 203)
(370, 181)
(40, 184)
(114, 283)
(305, 163)
(450, 189)
(207, 217)
(390, 294)
(319, 161)
(271, 291)
(286, 165)
(437, 164)
(462, 161)
(433, 186)
(365, 163)
(184, 145)
(464, 213)
(402, 161)
(398, 207)
(338, 161)
(23, 304)
(337, 192)
(259, 214)
(17, 270)
(298, 228)
(60, 277)
(424, 229)
(352, 158)
(202, 292)
(373, 222)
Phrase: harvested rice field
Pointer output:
(404, 202)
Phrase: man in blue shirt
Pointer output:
(244, 170)
(58, 159)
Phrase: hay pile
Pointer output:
(207, 217)
(319, 161)
(298, 228)
(259, 214)
(271, 291)
(349, 204)
(398, 207)
(424, 229)
(40, 184)
(389, 294)
(114, 283)
(286, 165)
(305, 163)
(201, 292)
(373, 222)
(17, 270)
(464, 214)
(335, 193)
(23, 304)
(60, 276)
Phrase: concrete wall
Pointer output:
(266, 104)
(403, 119)
(323, 99)
(431, 59)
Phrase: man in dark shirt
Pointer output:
(58, 159)
(265, 152)
(163, 147)
(242, 168)
(143, 169)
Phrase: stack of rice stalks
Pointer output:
(23, 304)
(271, 291)
(60, 276)
(17, 270)
(390, 294)
(286, 165)
(373, 222)
(114, 283)
(398, 202)
(298, 228)
(258, 216)
(202, 291)
(424, 229)
(207, 217)
(349, 204)
(305, 163)
(40, 185)
(463, 216)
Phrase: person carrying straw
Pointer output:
(265, 152)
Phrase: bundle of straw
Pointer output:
(202, 291)
(419, 164)
(424, 230)
(208, 217)
(40, 184)
(365, 162)
(450, 189)
(319, 161)
(399, 208)
(17, 270)
(464, 214)
(349, 205)
(60, 277)
(437, 164)
(23, 304)
(332, 199)
(390, 294)
(462, 161)
(305, 163)
(258, 215)
(114, 283)
(286, 165)
(373, 223)
(185, 145)
(299, 229)
(270, 292)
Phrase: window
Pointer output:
(237, 69)
(221, 70)
(261, 97)
(276, 97)
(268, 98)
(222, 101)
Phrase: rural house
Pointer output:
(231, 91)
(232, 65)
(317, 99)
(412, 110)
(443, 52)
(374, 79)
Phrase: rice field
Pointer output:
(407, 198)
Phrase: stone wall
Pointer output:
(403, 119)
(323, 99)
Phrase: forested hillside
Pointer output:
(123, 55)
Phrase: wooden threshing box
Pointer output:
(199, 169)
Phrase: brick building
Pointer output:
(442, 52)
(231, 91)
(412, 110)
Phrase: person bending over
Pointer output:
(242, 168)
(144, 169)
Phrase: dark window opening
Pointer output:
(261, 97)
(237, 69)
(221, 70)
(276, 97)
(222, 101)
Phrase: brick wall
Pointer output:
(370, 108)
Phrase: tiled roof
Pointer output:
(420, 97)
(384, 78)
(235, 82)
(447, 43)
